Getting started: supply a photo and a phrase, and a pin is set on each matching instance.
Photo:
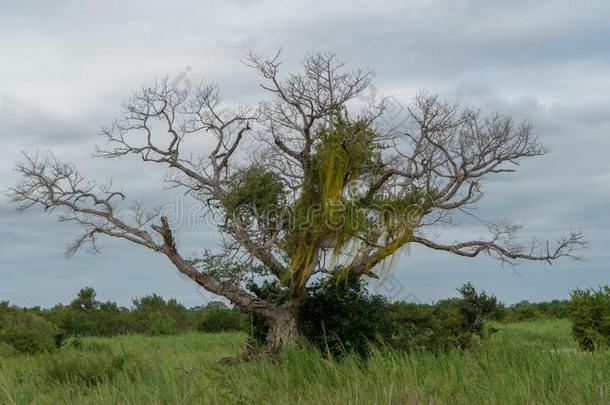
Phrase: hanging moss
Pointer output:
(328, 214)
(324, 214)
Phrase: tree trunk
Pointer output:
(284, 329)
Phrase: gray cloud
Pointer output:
(67, 66)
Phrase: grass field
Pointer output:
(533, 362)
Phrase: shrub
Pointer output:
(222, 320)
(531, 311)
(450, 323)
(160, 324)
(411, 327)
(557, 309)
(525, 311)
(590, 316)
(29, 333)
(474, 309)
(85, 316)
(156, 316)
(340, 316)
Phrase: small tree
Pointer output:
(305, 186)
(463, 318)
(154, 315)
(590, 316)
(85, 300)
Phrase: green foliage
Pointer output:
(87, 316)
(474, 309)
(28, 333)
(590, 316)
(254, 190)
(85, 300)
(5, 309)
(40, 330)
(525, 311)
(412, 327)
(530, 311)
(217, 317)
(156, 316)
(331, 210)
(272, 292)
(77, 343)
(341, 317)
(222, 320)
(556, 309)
(158, 323)
(448, 324)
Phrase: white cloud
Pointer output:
(66, 66)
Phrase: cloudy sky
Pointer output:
(66, 66)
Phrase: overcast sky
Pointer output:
(66, 66)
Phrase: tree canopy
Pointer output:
(306, 184)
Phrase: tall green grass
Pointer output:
(532, 362)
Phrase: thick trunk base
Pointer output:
(285, 330)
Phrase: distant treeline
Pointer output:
(151, 314)
(531, 311)
(154, 315)
(345, 311)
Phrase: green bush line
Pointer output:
(339, 316)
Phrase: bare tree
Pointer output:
(328, 193)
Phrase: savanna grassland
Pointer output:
(527, 362)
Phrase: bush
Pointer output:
(340, 316)
(450, 323)
(474, 309)
(557, 309)
(156, 316)
(160, 324)
(29, 333)
(525, 311)
(85, 316)
(531, 311)
(222, 320)
(590, 316)
(411, 327)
